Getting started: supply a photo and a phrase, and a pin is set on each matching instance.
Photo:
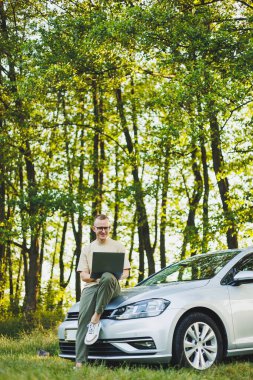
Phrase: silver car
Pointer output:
(192, 313)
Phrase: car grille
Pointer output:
(101, 348)
(73, 316)
(67, 348)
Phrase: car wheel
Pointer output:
(197, 342)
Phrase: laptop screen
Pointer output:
(112, 262)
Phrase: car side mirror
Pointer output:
(243, 277)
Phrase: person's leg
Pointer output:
(86, 310)
(108, 288)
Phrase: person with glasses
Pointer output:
(97, 293)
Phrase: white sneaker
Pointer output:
(92, 333)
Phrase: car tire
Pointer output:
(197, 342)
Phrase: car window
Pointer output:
(244, 264)
(200, 267)
(247, 264)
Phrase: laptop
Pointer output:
(112, 262)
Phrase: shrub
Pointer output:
(16, 325)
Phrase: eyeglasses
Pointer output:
(102, 228)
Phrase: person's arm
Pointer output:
(85, 276)
(125, 274)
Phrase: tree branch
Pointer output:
(26, 249)
(234, 110)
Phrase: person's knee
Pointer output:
(108, 277)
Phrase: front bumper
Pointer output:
(136, 340)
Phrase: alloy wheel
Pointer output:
(200, 345)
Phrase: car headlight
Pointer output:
(141, 309)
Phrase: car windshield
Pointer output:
(200, 267)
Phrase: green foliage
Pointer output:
(16, 326)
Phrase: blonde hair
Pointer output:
(101, 217)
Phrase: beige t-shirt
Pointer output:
(110, 245)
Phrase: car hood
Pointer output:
(142, 292)
(139, 293)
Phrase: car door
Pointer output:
(241, 298)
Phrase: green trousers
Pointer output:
(93, 298)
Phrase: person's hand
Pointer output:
(125, 274)
(85, 276)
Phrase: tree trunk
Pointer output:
(77, 255)
(78, 232)
(141, 255)
(61, 254)
(63, 283)
(223, 184)
(31, 297)
(16, 303)
(24, 249)
(116, 197)
(2, 219)
(205, 207)
(132, 246)
(97, 201)
(41, 260)
(102, 157)
(50, 293)
(10, 273)
(163, 220)
(143, 225)
(190, 232)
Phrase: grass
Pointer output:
(19, 360)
